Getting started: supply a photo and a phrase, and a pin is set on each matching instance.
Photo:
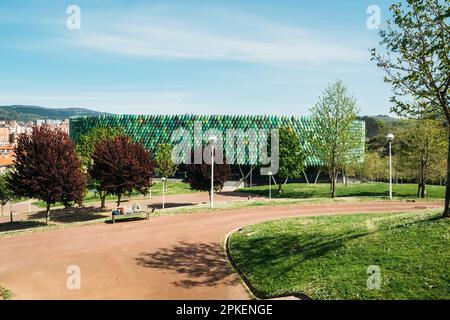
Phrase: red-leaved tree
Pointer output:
(121, 165)
(47, 167)
(199, 176)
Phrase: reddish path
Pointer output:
(168, 257)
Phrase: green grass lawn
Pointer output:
(303, 190)
(172, 188)
(327, 257)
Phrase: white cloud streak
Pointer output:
(258, 41)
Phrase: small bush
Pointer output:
(5, 294)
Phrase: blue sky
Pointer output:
(170, 57)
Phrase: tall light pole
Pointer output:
(390, 137)
(270, 184)
(163, 192)
(212, 140)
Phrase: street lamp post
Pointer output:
(212, 141)
(390, 137)
(270, 184)
(163, 192)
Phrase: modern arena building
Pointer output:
(152, 130)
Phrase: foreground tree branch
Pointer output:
(418, 37)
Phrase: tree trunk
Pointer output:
(344, 178)
(10, 213)
(422, 180)
(279, 188)
(423, 189)
(333, 173)
(47, 214)
(330, 175)
(119, 196)
(419, 181)
(396, 173)
(418, 187)
(102, 195)
(447, 190)
(333, 183)
(2, 210)
(102, 202)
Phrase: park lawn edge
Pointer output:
(202, 208)
(178, 188)
(321, 190)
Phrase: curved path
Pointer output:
(167, 257)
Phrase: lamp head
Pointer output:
(212, 139)
(390, 137)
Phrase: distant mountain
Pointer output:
(30, 113)
(373, 123)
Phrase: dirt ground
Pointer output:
(166, 257)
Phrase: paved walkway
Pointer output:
(167, 257)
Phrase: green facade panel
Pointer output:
(152, 130)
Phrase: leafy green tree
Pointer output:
(292, 158)
(416, 62)
(164, 165)
(6, 194)
(438, 172)
(426, 139)
(418, 151)
(403, 167)
(334, 115)
(85, 149)
(373, 168)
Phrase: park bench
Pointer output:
(133, 212)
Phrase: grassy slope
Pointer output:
(172, 188)
(327, 257)
(302, 190)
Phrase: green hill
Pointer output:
(30, 113)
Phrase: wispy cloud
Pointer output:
(247, 40)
